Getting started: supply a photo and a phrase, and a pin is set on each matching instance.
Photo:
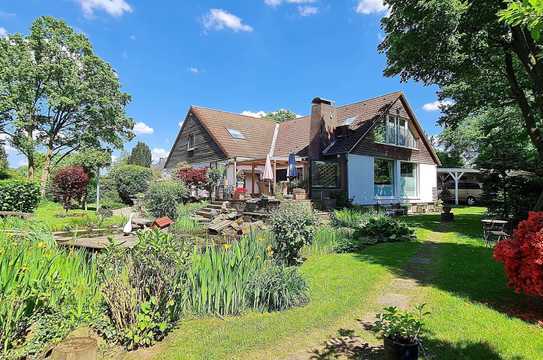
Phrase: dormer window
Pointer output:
(236, 134)
(190, 143)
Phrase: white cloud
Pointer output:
(159, 153)
(367, 7)
(258, 114)
(437, 105)
(112, 7)
(308, 10)
(181, 123)
(114, 158)
(194, 70)
(218, 19)
(3, 32)
(275, 3)
(143, 128)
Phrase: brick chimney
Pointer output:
(323, 124)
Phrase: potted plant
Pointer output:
(239, 193)
(445, 198)
(401, 331)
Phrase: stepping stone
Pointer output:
(398, 300)
(404, 284)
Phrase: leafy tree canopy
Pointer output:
(90, 160)
(281, 115)
(57, 95)
(141, 155)
(478, 61)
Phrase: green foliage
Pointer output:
(401, 326)
(355, 229)
(38, 278)
(350, 217)
(80, 96)
(277, 288)
(450, 159)
(143, 288)
(293, 226)
(164, 196)
(90, 159)
(189, 209)
(18, 195)
(3, 158)
(219, 277)
(528, 13)
(281, 115)
(141, 155)
(486, 63)
(131, 180)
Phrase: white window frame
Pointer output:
(394, 179)
(417, 174)
(396, 119)
(190, 143)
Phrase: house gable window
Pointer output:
(408, 179)
(325, 174)
(383, 178)
(190, 143)
(395, 131)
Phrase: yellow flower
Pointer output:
(227, 246)
(41, 245)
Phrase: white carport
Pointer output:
(456, 174)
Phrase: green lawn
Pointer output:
(53, 216)
(466, 293)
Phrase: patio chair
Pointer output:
(494, 231)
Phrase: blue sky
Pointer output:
(257, 55)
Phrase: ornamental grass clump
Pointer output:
(293, 227)
(277, 288)
(43, 285)
(219, 277)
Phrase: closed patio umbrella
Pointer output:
(268, 172)
(292, 172)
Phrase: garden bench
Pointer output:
(494, 231)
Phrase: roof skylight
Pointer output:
(236, 134)
(348, 121)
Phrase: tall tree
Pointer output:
(141, 155)
(57, 95)
(281, 115)
(477, 60)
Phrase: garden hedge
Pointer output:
(18, 195)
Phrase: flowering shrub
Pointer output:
(192, 176)
(240, 190)
(70, 184)
(522, 255)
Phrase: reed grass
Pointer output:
(38, 277)
(219, 277)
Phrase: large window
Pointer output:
(325, 174)
(408, 179)
(395, 131)
(383, 178)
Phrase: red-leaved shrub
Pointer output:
(522, 255)
(192, 176)
(70, 183)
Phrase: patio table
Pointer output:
(494, 230)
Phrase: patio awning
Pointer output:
(456, 174)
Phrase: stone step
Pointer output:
(207, 213)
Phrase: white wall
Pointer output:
(427, 182)
(360, 182)
(360, 179)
